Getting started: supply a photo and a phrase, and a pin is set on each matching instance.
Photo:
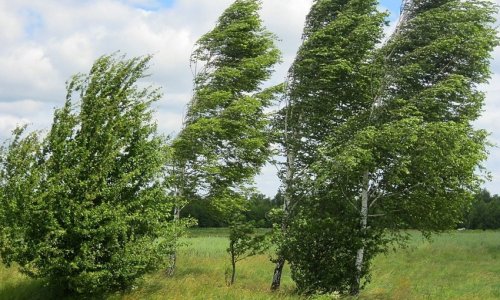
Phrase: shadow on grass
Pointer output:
(27, 289)
(38, 290)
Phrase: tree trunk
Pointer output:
(173, 257)
(355, 288)
(233, 273)
(278, 269)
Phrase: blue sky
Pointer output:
(392, 5)
(150, 5)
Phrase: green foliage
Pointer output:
(224, 142)
(332, 75)
(382, 136)
(484, 213)
(20, 177)
(86, 207)
(243, 243)
(204, 213)
(256, 209)
(330, 82)
(225, 139)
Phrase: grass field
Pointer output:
(458, 265)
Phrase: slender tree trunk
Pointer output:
(364, 223)
(173, 257)
(179, 194)
(233, 273)
(278, 269)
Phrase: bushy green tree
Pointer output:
(20, 178)
(259, 207)
(400, 151)
(204, 213)
(86, 207)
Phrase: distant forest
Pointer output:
(483, 214)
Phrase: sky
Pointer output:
(43, 43)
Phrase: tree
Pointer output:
(243, 243)
(87, 207)
(326, 86)
(225, 140)
(20, 176)
(259, 207)
(205, 214)
(401, 151)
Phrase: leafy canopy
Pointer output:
(86, 206)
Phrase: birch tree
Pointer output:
(225, 140)
(408, 158)
(327, 84)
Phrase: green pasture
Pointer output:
(456, 265)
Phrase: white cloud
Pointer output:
(267, 180)
(37, 114)
(8, 123)
(21, 108)
(11, 26)
(27, 71)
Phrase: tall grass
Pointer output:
(457, 265)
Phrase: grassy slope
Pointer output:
(463, 265)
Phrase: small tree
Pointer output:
(87, 207)
(243, 243)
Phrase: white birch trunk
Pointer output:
(177, 216)
(364, 224)
(278, 269)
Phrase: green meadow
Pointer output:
(455, 265)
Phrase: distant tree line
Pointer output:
(484, 213)
(257, 210)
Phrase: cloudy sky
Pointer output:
(42, 43)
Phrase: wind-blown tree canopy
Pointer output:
(225, 139)
(86, 208)
(328, 83)
(329, 78)
(402, 152)
(417, 139)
